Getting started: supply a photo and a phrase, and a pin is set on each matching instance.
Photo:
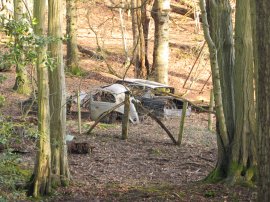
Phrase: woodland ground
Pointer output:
(147, 166)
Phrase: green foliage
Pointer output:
(2, 100)
(21, 48)
(77, 71)
(12, 178)
(11, 132)
(2, 78)
(209, 194)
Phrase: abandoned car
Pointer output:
(98, 101)
(104, 98)
(155, 96)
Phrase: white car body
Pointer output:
(104, 98)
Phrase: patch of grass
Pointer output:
(209, 194)
(105, 126)
(155, 151)
(76, 71)
(2, 100)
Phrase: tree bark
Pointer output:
(22, 84)
(160, 14)
(243, 160)
(60, 169)
(221, 30)
(263, 99)
(41, 179)
(71, 30)
(138, 39)
(222, 134)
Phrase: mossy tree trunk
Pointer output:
(22, 84)
(219, 14)
(263, 52)
(71, 31)
(40, 183)
(60, 169)
(138, 39)
(243, 153)
(222, 134)
(237, 76)
(160, 14)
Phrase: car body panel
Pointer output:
(104, 98)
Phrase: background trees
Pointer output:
(71, 31)
(160, 14)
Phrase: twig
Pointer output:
(194, 64)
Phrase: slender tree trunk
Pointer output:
(160, 14)
(243, 156)
(22, 84)
(263, 99)
(138, 39)
(71, 30)
(146, 17)
(41, 179)
(60, 169)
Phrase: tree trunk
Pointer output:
(138, 40)
(263, 62)
(71, 30)
(160, 14)
(21, 85)
(243, 156)
(41, 179)
(60, 169)
(221, 30)
(222, 134)
(146, 17)
(239, 158)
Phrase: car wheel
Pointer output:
(170, 105)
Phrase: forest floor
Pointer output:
(147, 166)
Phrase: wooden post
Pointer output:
(211, 107)
(181, 127)
(79, 112)
(125, 120)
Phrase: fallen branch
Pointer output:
(149, 113)
(90, 53)
(183, 11)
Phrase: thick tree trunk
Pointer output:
(243, 156)
(41, 180)
(239, 155)
(160, 14)
(71, 30)
(221, 30)
(60, 169)
(263, 62)
(222, 134)
(22, 84)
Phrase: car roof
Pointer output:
(146, 83)
(115, 88)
